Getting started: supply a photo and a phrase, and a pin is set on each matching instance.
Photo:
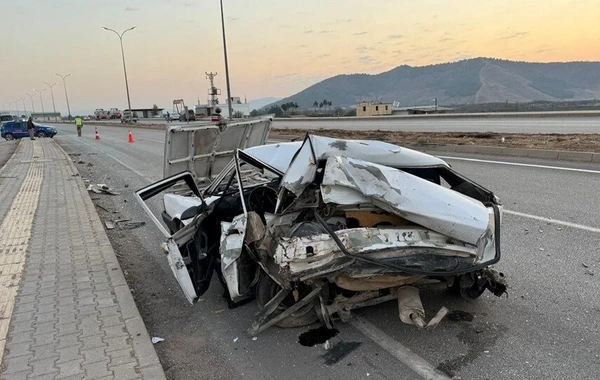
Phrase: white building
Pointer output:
(236, 104)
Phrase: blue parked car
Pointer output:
(16, 129)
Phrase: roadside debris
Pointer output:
(156, 339)
(437, 318)
(102, 189)
(340, 351)
(585, 265)
(126, 224)
(109, 225)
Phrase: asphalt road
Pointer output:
(559, 124)
(545, 329)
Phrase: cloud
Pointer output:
(359, 33)
(325, 31)
(364, 48)
(284, 26)
(395, 36)
(366, 59)
(344, 20)
(302, 46)
(514, 35)
(446, 39)
(397, 51)
(232, 19)
(323, 55)
(309, 31)
(129, 9)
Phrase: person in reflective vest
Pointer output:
(78, 124)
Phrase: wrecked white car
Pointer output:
(316, 228)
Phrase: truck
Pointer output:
(127, 117)
(114, 113)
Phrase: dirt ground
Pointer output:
(551, 141)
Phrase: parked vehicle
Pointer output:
(127, 117)
(100, 114)
(6, 118)
(316, 228)
(114, 113)
(191, 116)
(17, 129)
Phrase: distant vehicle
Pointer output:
(6, 118)
(127, 117)
(191, 116)
(100, 114)
(17, 129)
(86, 118)
(114, 113)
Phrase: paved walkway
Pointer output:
(66, 311)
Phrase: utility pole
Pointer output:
(66, 96)
(31, 98)
(124, 68)
(24, 108)
(52, 93)
(226, 65)
(213, 91)
(41, 101)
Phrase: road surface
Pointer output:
(545, 329)
(559, 124)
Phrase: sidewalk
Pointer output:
(66, 311)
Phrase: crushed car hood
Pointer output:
(204, 150)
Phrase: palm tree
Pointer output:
(315, 105)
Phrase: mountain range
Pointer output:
(471, 81)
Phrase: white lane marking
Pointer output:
(156, 141)
(554, 221)
(400, 352)
(519, 164)
(114, 158)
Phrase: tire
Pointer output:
(41, 134)
(9, 136)
(266, 289)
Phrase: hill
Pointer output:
(472, 81)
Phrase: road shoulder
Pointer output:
(73, 313)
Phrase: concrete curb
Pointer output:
(144, 350)
(562, 155)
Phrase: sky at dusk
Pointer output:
(276, 47)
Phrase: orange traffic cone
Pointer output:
(97, 134)
(130, 137)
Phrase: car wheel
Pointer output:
(41, 134)
(266, 289)
(9, 136)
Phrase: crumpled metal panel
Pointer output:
(205, 149)
(413, 198)
(292, 253)
(302, 169)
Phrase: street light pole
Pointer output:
(24, 108)
(52, 93)
(31, 98)
(41, 101)
(124, 68)
(66, 96)
(226, 65)
(17, 106)
(435, 100)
